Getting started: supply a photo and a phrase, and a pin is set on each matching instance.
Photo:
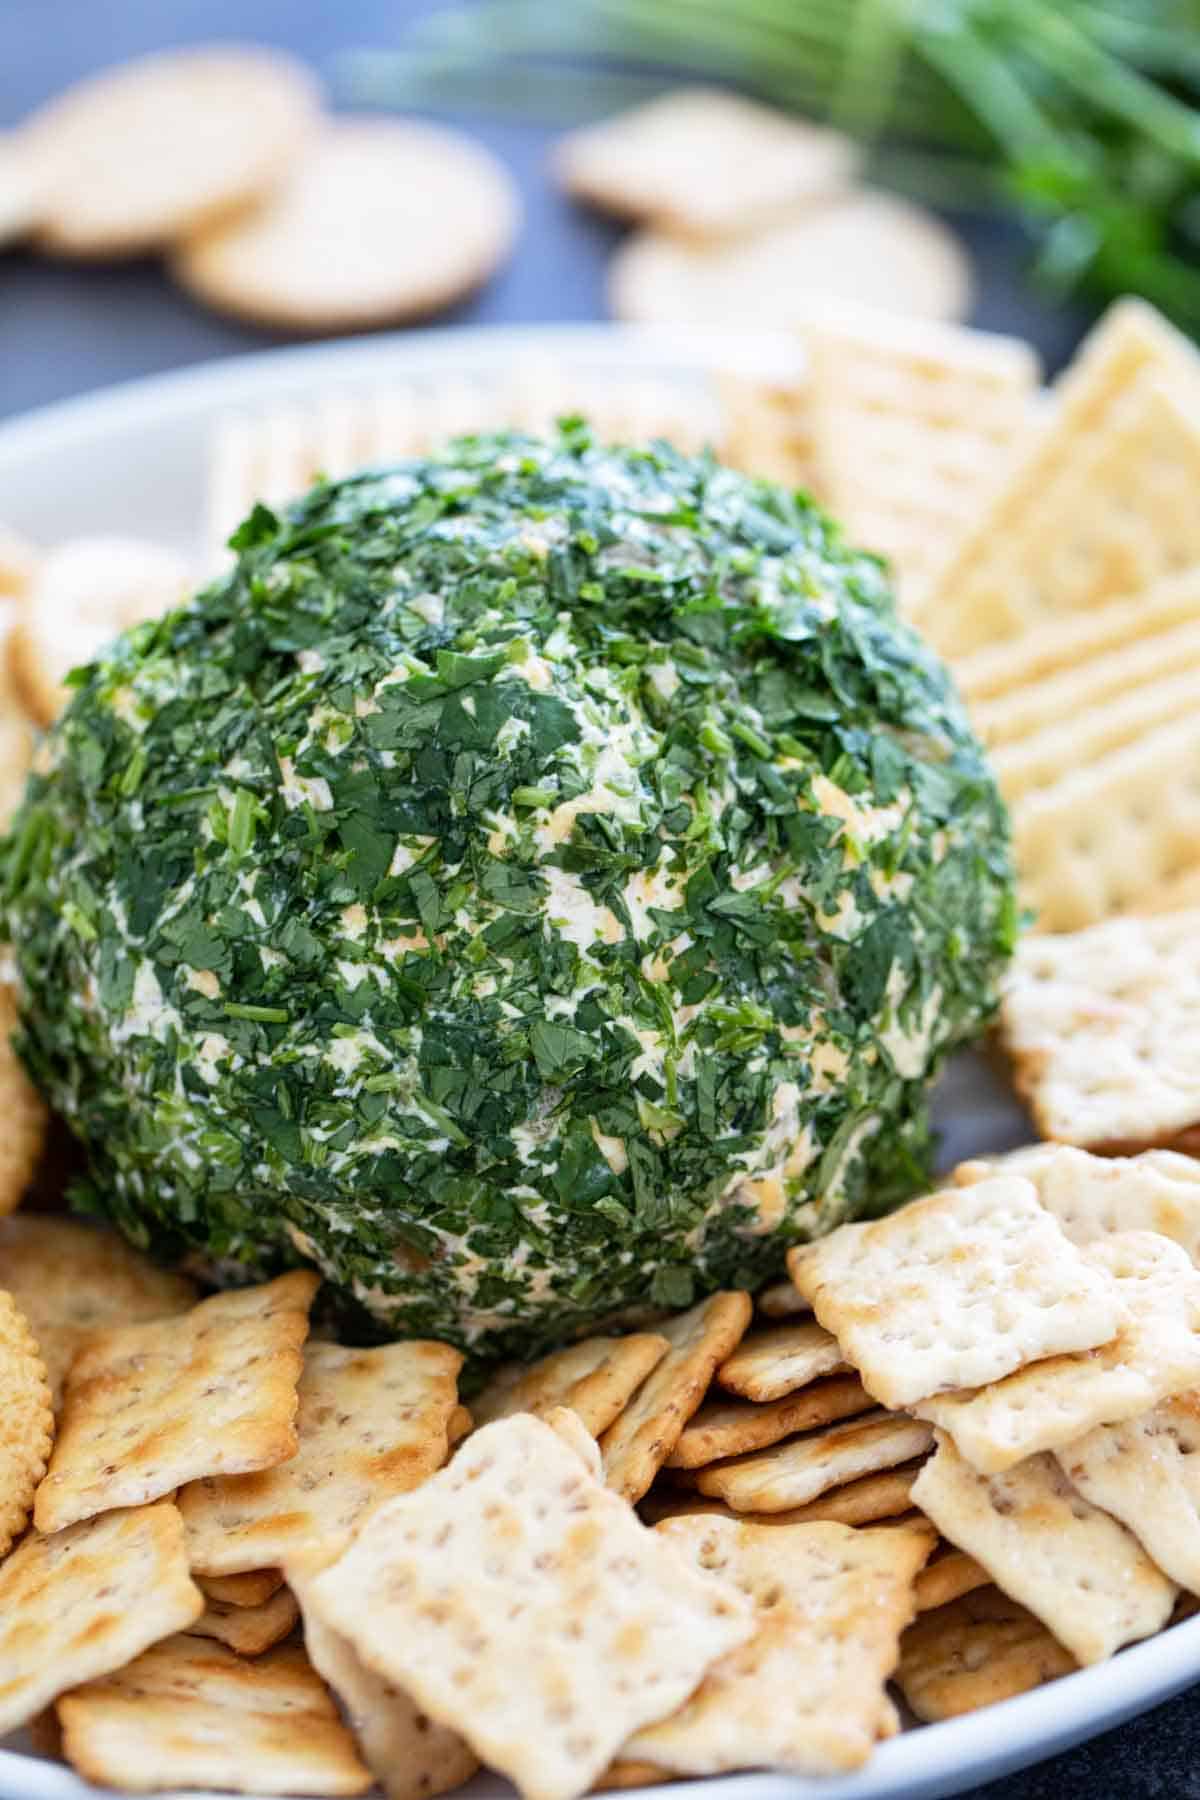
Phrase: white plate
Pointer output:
(133, 458)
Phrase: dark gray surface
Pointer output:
(64, 330)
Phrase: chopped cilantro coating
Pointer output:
(535, 884)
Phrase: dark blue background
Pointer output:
(66, 329)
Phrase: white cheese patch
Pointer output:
(149, 1014)
(297, 789)
(575, 915)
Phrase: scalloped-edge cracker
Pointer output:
(1145, 1473)
(779, 1359)
(967, 1654)
(732, 1427)
(250, 1630)
(86, 1601)
(807, 1692)
(150, 1407)
(792, 1474)
(26, 1420)
(948, 1577)
(596, 1378)
(370, 1424)
(1093, 1197)
(522, 1604)
(955, 1290)
(636, 1446)
(193, 1714)
(1085, 1577)
(252, 1589)
(23, 1110)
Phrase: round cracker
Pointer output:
(384, 220)
(137, 155)
(863, 247)
(22, 1109)
(20, 187)
(26, 1420)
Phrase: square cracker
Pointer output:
(948, 1578)
(955, 1291)
(87, 1600)
(595, 1378)
(1094, 1196)
(521, 1604)
(26, 1420)
(731, 1427)
(150, 1407)
(807, 1691)
(637, 1445)
(252, 1589)
(1155, 1354)
(779, 1359)
(1084, 1576)
(867, 1501)
(249, 1629)
(1144, 1472)
(370, 1423)
(781, 1301)
(1103, 1029)
(192, 1714)
(965, 1655)
(792, 1474)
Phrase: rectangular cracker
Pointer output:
(807, 1692)
(249, 1629)
(867, 1501)
(767, 429)
(963, 1656)
(1102, 1030)
(252, 1589)
(792, 1474)
(595, 1378)
(781, 1300)
(150, 1407)
(88, 1600)
(370, 1424)
(1085, 737)
(779, 1359)
(587, 1626)
(1144, 1472)
(730, 1428)
(1084, 1576)
(954, 1291)
(192, 1714)
(636, 1446)
(948, 1577)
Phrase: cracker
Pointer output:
(84, 594)
(85, 1601)
(767, 428)
(252, 1589)
(595, 1378)
(18, 562)
(777, 1361)
(1143, 1471)
(383, 219)
(792, 1474)
(71, 1279)
(1101, 1027)
(585, 1628)
(635, 1447)
(193, 1714)
(138, 154)
(17, 738)
(370, 1424)
(730, 1428)
(960, 1657)
(24, 1113)
(26, 1420)
(948, 1578)
(459, 1425)
(1083, 1575)
(702, 160)
(150, 1407)
(249, 1629)
(806, 1693)
(867, 1501)
(954, 1291)
(1094, 1196)
(782, 1300)
(626, 1773)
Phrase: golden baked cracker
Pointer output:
(626, 1773)
(254, 1588)
(459, 1425)
(1084, 1576)
(71, 1279)
(1094, 1196)
(595, 1378)
(766, 427)
(420, 215)
(370, 1424)
(1176, 893)
(702, 160)
(24, 1113)
(1101, 1029)
(1143, 1471)
(731, 1427)
(635, 1447)
(249, 1629)
(135, 156)
(782, 1300)
(780, 1359)
(87, 1600)
(948, 1577)
(17, 736)
(790, 1475)
(586, 1627)
(26, 1420)
(869, 1500)
(954, 1291)
(961, 1656)
(807, 1692)
(150, 1407)
(193, 1714)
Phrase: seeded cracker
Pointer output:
(586, 1628)
(777, 1361)
(87, 1600)
(1144, 1472)
(595, 1378)
(23, 1111)
(150, 1407)
(26, 1420)
(1078, 1570)
(193, 1714)
(253, 1589)
(730, 1428)
(249, 1629)
(640, 1441)
(792, 1474)
(807, 1692)
(370, 1424)
(954, 1291)
(966, 1655)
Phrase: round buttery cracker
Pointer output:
(383, 220)
(26, 1420)
(137, 155)
(862, 247)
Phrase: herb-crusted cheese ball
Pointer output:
(534, 884)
